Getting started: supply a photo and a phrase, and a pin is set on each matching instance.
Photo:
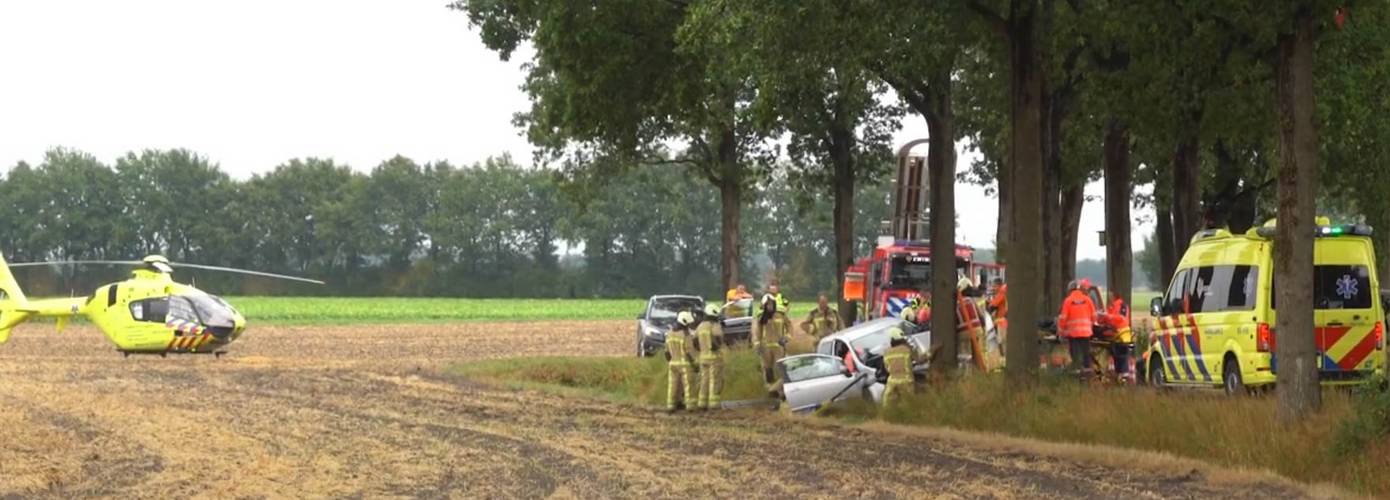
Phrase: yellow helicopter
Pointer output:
(146, 314)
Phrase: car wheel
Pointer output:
(1157, 378)
(1231, 379)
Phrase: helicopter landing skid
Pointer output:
(165, 354)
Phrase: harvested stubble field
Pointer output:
(367, 411)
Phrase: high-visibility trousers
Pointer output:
(895, 389)
(711, 382)
(679, 386)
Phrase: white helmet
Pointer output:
(711, 310)
(685, 318)
(964, 284)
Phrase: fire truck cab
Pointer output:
(899, 271)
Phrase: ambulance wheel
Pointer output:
(1157, 378)
(1231, 380)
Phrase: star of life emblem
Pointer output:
(1346, 287)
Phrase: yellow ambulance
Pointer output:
(1214, 326)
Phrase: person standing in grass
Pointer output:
(709, 343)
(823, 320)
(679, 388)
(1075, 324)
(770, 333)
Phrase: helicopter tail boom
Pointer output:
(10, 294)
(8, 320)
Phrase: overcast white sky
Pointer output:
(253, 83)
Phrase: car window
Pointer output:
(870, 341)
(1342, 287)
(812, 367)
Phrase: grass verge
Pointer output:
(1233, 432)
(630, 380)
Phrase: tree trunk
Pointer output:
(941, 168)
(1026, 160)
(1167, 258)
(1073, 200)
(1187, 209)
(1119, 258)
(1051, 213)
(842, 155)
(1002, 237)
(731, 208)
(1295, 348)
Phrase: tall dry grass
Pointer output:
(1237, 432)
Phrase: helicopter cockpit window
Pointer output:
(211, 309)
(181, 308)
(152, 310)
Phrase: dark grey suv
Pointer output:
(659, 317)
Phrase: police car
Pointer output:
(1214, 326)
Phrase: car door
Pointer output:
(813, 379)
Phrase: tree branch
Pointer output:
(996, 22)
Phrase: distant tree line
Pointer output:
(491, 229)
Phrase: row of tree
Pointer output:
(493, 229)
(1209, 100)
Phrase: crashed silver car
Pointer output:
(847, 364)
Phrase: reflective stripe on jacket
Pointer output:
(677, 348)
(709, 340)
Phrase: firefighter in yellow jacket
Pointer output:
(898, 361)
(679, 387)
(770, 333)
(709, 343)
(823, 320)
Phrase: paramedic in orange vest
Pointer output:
(1075, 324)
(999, 304)
(969, 327)
(1117, 317)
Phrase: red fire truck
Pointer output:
(900, 267)
(898, 271)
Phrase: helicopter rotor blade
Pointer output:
(247, 272)
(175, 264)
(78, 262)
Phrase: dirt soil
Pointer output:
(364, 411)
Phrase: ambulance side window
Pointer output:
(1199, 286)
(1226, 288)
(1173, 300)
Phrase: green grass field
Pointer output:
(299, 310)
(338, 310)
